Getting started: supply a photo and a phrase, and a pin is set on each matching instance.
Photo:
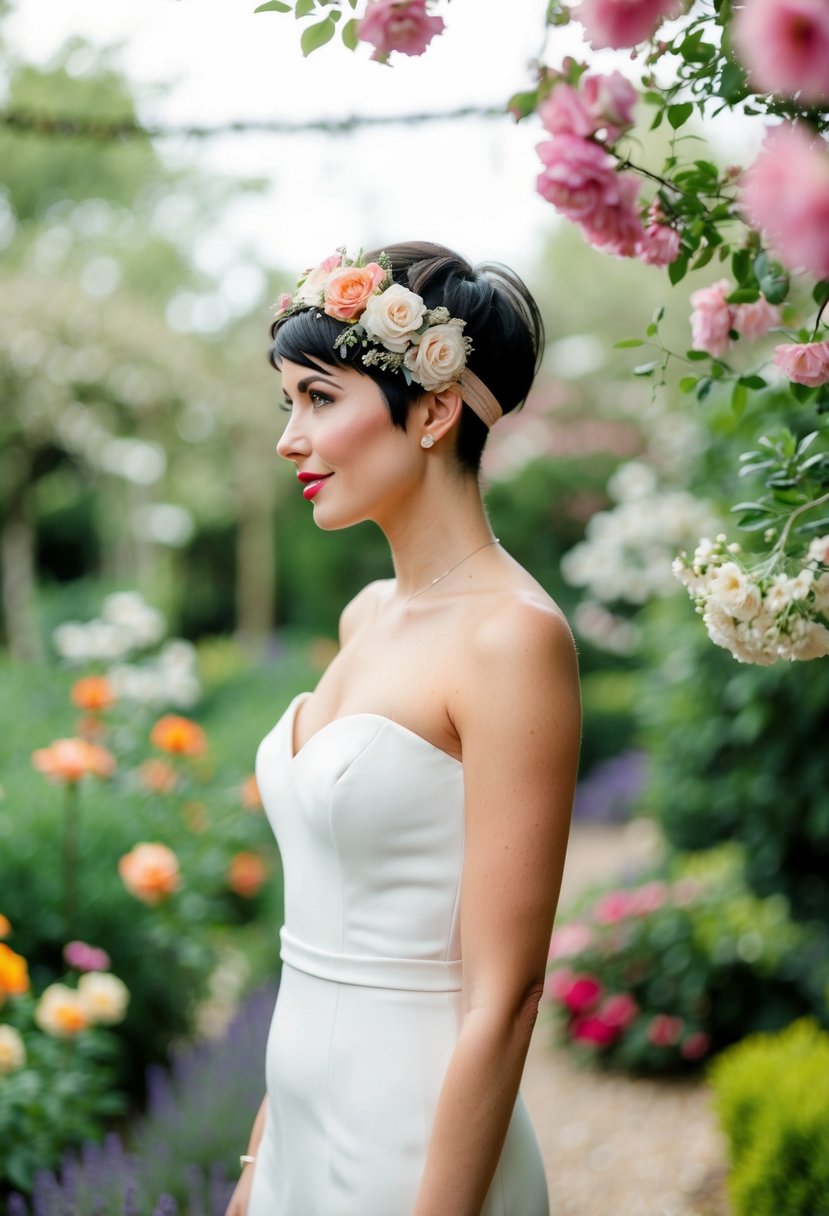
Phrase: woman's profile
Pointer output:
(421, 794)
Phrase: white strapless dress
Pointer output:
(369, 818)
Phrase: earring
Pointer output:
(427, 441)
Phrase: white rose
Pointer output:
(12, 1051)
(801, 584)
(811, 641)
(312, 290)
(438, 358)
(103, 996)
(821, 590)
(394, 317)
(778, 596)
(735, 591)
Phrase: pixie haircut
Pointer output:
(501, 316)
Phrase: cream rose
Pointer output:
(312, 289)
(438, 358)
(61, 1012)
(393, 317)
(12, 1051)
(104, 997)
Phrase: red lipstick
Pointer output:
(313, 482)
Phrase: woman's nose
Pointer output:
(292, 442)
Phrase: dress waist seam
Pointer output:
(372, 971)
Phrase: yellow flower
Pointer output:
(12, 1051)
(103, 996)
(14, 973)
(61, 1012)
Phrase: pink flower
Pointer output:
(565, 112)
(785, 46)
(558, 982)
(594, 1030)
(581, 994)
(755, 320)
(615, 906)
(579, 177)
(659, 246)
(83, 957)
(398, 25)
(664, 1030)
(616, 228)
(619, 1010)
(806, 363)
(621, 23)
(711, 319)
(786, 193)
(695, 1045)
(650, 897)
(284, 302)
(610, 100)
(569, 940)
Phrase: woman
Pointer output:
(421, 795)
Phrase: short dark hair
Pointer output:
(501, 316)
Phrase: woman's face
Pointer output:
(352, 463)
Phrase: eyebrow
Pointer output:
(306, 381)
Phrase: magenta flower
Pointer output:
(594, 1030)
(398, 25)
(805, 363)
(619, 1010)
(581, 994)
(615, 906)
(695, 1045)
(664, 1030)
(784, 44)
(786, 193)
(623, 23)
(83, 957)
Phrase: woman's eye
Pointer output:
(318, 398)
(285, 406)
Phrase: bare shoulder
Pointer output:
(362, 608)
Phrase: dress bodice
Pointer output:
(369, 817)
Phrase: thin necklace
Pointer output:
(451, 568)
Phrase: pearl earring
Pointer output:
(427, 441)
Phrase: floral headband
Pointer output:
(393, 325)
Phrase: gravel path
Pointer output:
(613, 1146)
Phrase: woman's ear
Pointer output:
(439, 412)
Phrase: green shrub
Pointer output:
(656, 976)
(738, 752)
(772, 1099)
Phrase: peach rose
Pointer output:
(245, 874)
(104, 997)
(71, 759)
(804, 363)
(438, 358)
(5, 925)
(350, 288)
(250, 795)
(150, 872)
(93, 693)
(61, 1012)
(394, 317)
(179, 736)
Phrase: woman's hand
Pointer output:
(240, 1198)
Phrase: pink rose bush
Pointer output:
(398, 25)
(804, 363)
(714, 320)
(784, 44)
(623, 23)
(651, 978)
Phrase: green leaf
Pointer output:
(304, 8)
(704, 387)
(800, 392)
(273, 6)
(348, 33)
(704, 258)
(625, 343)
(315, 36)
(646, 369)
(659, 313)
(521, 105)
(739, 399)
(678, 269)
(679, 114)
(743, 295)
(652, 329)
(741, 265)
(820, 293)
(697, 356)
(753, 382)
(732, 82)
(687, 384)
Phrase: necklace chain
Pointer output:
(451, 568)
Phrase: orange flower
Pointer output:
(150, 872)
(245, 874)
(93, 693)
(14, 973)
(179, 736)
(61, 1012)
(158, 776)
(5, 925)
(251, 798)
(71, 759)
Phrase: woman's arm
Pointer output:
(240, 1198)
(519, 720)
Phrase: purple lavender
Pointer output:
(608, 793)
